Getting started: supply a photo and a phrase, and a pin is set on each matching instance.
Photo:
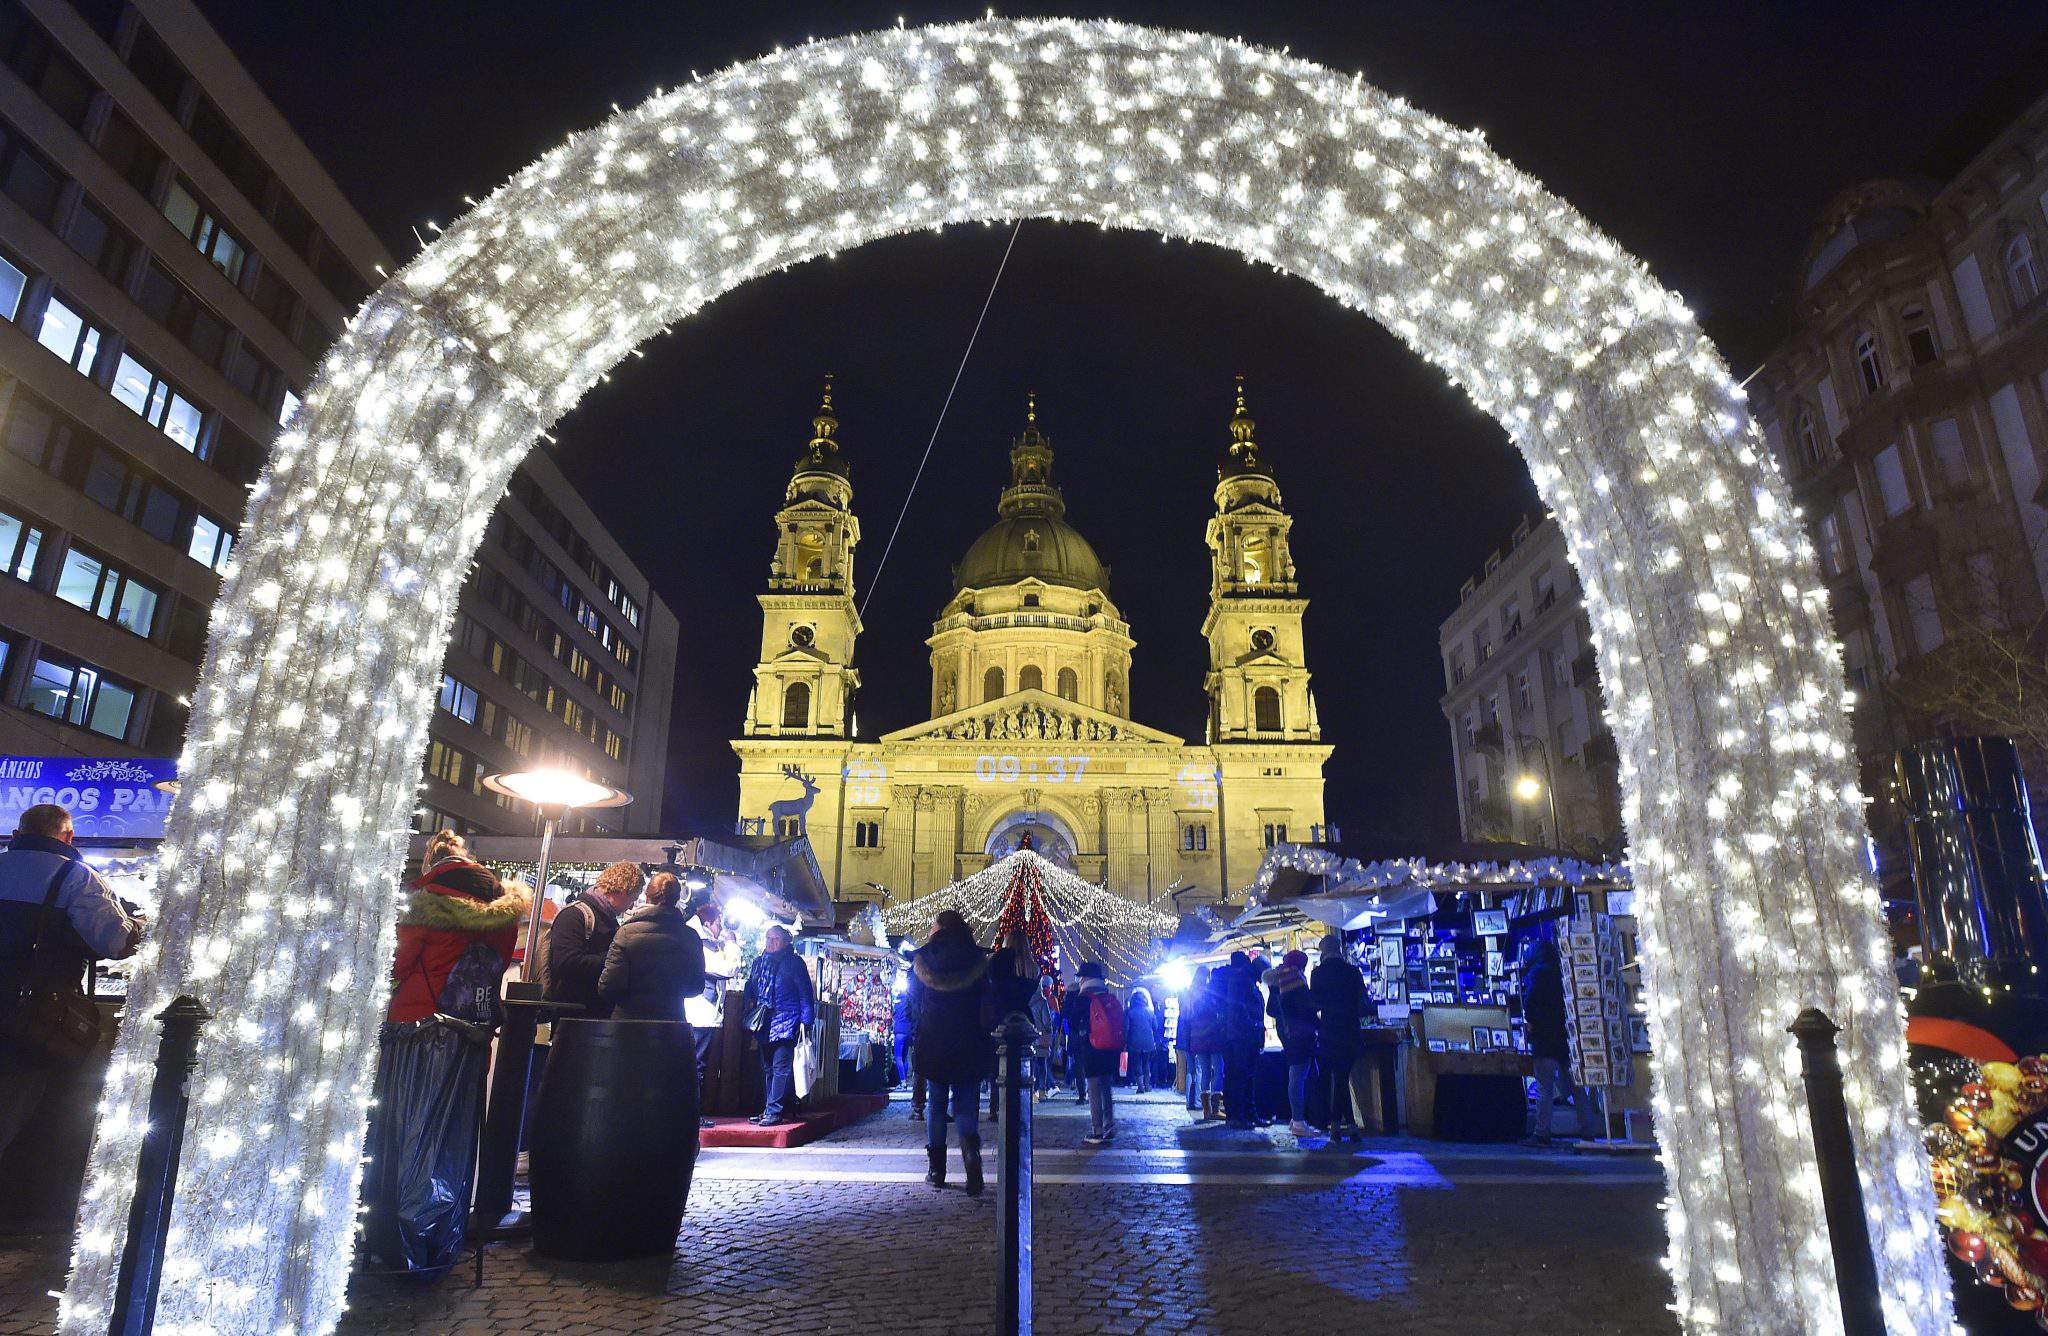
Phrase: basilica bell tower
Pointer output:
(804, 680)
(1258, 677)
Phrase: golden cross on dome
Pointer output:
(1031, 405)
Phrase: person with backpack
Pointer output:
(581, 937)
(1234, 990)
(1102, 1046)
(1294, 1013)
(456, 936)
(954, 1000)
(56, 918)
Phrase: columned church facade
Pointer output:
(1031, 726)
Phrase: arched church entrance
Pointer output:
(309, 723)
(1047, 833)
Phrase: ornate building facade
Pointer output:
(1031, 727)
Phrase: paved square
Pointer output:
(1173, 1228)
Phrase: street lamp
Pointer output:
(1528, 788)
(555, 793)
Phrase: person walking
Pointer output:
(1234, 990)
(780, 1003)
(1199, 1034)
(581, 937)
(656, 962)
(1337, 988)
(705, 1009)
(56, 918)
(902, 1029)
(1141, 1039)
(1543, 1006)
(954, 998)
(456, 936)
(1074, 1028)
(1101, 1040)
(1294, 1013)
(1013, 976)
(1043, 1021)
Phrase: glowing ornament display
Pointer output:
(1991, 1175)
(280, 874)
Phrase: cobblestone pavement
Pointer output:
(1172, 1229)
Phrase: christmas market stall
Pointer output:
(857, 977)
(1443, 946)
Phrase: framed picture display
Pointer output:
(1489, 922)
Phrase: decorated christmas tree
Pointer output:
(1024, 907)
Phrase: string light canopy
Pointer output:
(280, 871)
(1087, 921)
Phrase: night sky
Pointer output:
(1706, 138)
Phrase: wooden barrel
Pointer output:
(614, 1139)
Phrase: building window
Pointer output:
(1030, 678)
(867, 834)
(796, 705)
(162, 407)
(1891, 482)
(78, 694)
(1275, 833)
(1194, 837)
(103, 243)
(1457, 669)
(458, 698)
(107, 592)
(204, 230)
(69, 335)
(445, 763)
(286, 407)
(1809, 438)
(19, 543)
(788, 827)
(1510, 619)
(1522, 692)
(12, 281)
(211, 542)
(2021, 276)
(1921, 342)
(1869, 363)
(1031, 600)
(1560, 668)
(1832, 560)
(1070, 684)
(1266, 710)
(992, 684)
(1546, 590)
(1485, 649)
(1924, 614)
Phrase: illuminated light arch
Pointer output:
(281, 870)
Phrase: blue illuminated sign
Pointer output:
(109, 798)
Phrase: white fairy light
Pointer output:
(281, 867)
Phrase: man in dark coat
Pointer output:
(1543, 1006)
(779, 982)
(1234, 989)
(86, 923)
(950, 993)
(581, 937)
(1338, 990)
(656, 962)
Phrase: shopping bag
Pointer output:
(805, 1061)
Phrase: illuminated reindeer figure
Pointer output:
(797, 809)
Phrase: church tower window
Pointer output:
(1070, 684)
(1030, 678)
(992, 684)
(1266, 710)
(796, 705)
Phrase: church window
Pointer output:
(796, 705)
(1031, 600)
(788, 827)
(1070, 684)
(1276, 833)
(1266, 710)
(867, 834)
(1194, 837)
(1030, 678)
(992, 684)
(1031, 540)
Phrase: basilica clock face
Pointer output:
(802, 636)
(1262, 640)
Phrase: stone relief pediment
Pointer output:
(1031, 716)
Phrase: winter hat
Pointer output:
(1332, 944)
(1091, 969)
(1240, 959)
(1296, 959)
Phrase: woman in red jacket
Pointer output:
(456, 935)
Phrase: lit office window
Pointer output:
(211, 543)
(19, 543)
(204, 230)
(77, 694)
(458, 698)
(288, 406)
(12, 281)
(66, 333)
(107, 592)
(150, 395)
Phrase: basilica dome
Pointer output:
(1031, 539)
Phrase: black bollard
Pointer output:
(156, 1169)
(1841, 1188)
(1013, 1178)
